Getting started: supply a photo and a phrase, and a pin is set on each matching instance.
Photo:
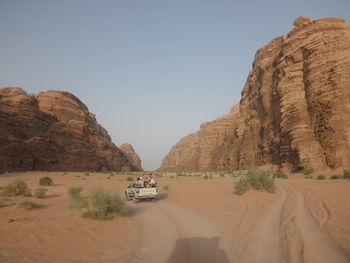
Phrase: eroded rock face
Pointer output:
(132, 156)
(294, 110)
(53, 131)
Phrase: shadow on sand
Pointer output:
(162, 196)
(202, 250)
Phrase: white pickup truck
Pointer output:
(137, 193)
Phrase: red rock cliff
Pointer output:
(53, 131)
(294, 110)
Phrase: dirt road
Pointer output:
(172, 234)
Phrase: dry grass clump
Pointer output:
(40, 192)
(26, 204)
(47, 181)
(280, 175)
(97, 204)
(16, 188)
(255, 179)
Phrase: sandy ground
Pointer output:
(197, 220)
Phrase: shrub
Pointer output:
(47, 181)
(102, 205)
(166, 187)
(334, 177)
(321, 177)
(258, 180)
(222, 175)
(241, 186)
(307, 171)
(130, 179)
(171, 176)
(76, 199)
(347, 174)
(26, 204)
(15, 188)
(280, 175)
(98, 204)
(87, 174)
(40, 193)
(206, 177)
(308, 177)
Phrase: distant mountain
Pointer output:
(294, 110)
(132, 156)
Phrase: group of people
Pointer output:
(149, 182)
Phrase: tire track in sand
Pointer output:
(315, 244)
(318, 246)
(267, 248)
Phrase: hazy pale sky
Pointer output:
(151, 71)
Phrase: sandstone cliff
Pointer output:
(294, 110)
(132, 156)
(53, 131)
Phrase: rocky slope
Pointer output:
(53, 131)
(132, 156)
(294, 110)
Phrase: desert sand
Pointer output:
(196, 220)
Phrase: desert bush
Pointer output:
(75, 191)
(166, 188)
(307, 171)
(77, 201)
(241, 186)
(308, 177)
(15, 188)
(98, 204)
(222, 175)
(321, 177)
(280, 175)
(47, 181)
(347, 174)
(40, 193)
(258, 180)
(171, 176)
(102, 205)
(334, 177)
(261, 180)
(87, 174)
(26, 204)
(130, 179)
(206, 177)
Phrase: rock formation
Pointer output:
(294, 110)
(132, 156)
(53, 131)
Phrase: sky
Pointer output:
(150, 70)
